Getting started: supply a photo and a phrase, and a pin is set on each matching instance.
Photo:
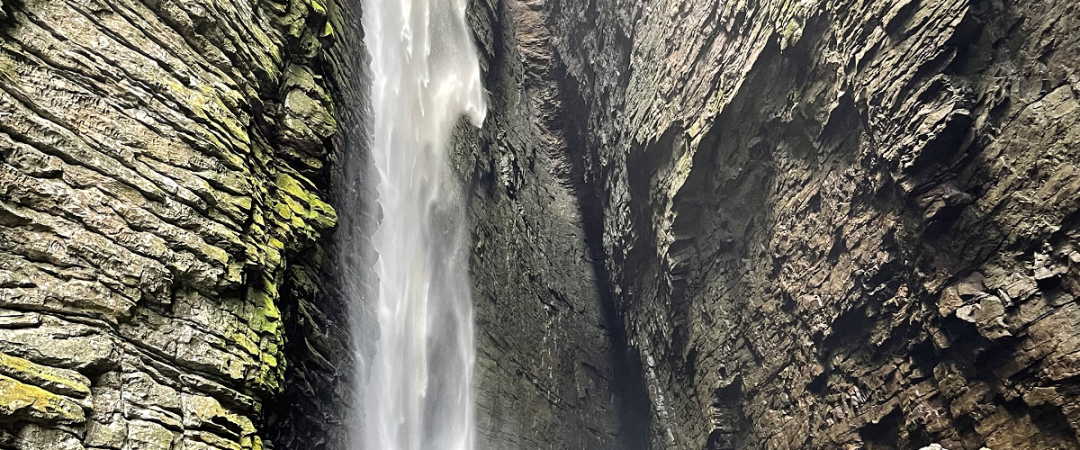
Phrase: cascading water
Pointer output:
(425, 76)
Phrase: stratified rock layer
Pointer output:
(160, 170)
(547, 370)
(821, 224)
(838, 224)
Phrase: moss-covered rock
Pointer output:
(26, 402)
(143, 231)
(59, 381)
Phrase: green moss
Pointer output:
(299, 225)
(324, 215)
(282, 209)
(242, 340)
(318, 7)
(215, 253)
(257, 217)
(291, 186)
(251, 443)
(297, 208)
(319, 213)
(56, 380)
(254, 253)
(273, 256)
(28, 402)
(263, 305)
(269, 359)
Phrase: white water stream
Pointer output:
(426, 75)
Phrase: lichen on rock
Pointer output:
(155, 160)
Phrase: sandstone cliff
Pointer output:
(161, 164)
(696, 224)
(838, 224)
(551, 370)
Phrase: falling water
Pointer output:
(426, 76)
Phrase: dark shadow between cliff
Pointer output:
(628, 379)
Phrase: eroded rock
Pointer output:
(149, 211)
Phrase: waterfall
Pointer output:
(425, 77)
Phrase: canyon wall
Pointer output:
(163, 179)
(837, 224)
(695, 224)
(172, 272)
(549, 371)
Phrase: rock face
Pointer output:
(550, 371)
(315, 409)
(161, 164)
(697, 224)
(836, 224)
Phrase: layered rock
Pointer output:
(162, 163)
(821, 224)
(548, 373)
(168, 277)
(835, 224)
(329, 300)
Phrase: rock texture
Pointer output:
(548, 372)
(328, 299)
(161, 164)
(808, 224)
(837, 224)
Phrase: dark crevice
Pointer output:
(628, 380)
(884, 434)
(730, 427)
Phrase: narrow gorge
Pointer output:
(661, 224)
